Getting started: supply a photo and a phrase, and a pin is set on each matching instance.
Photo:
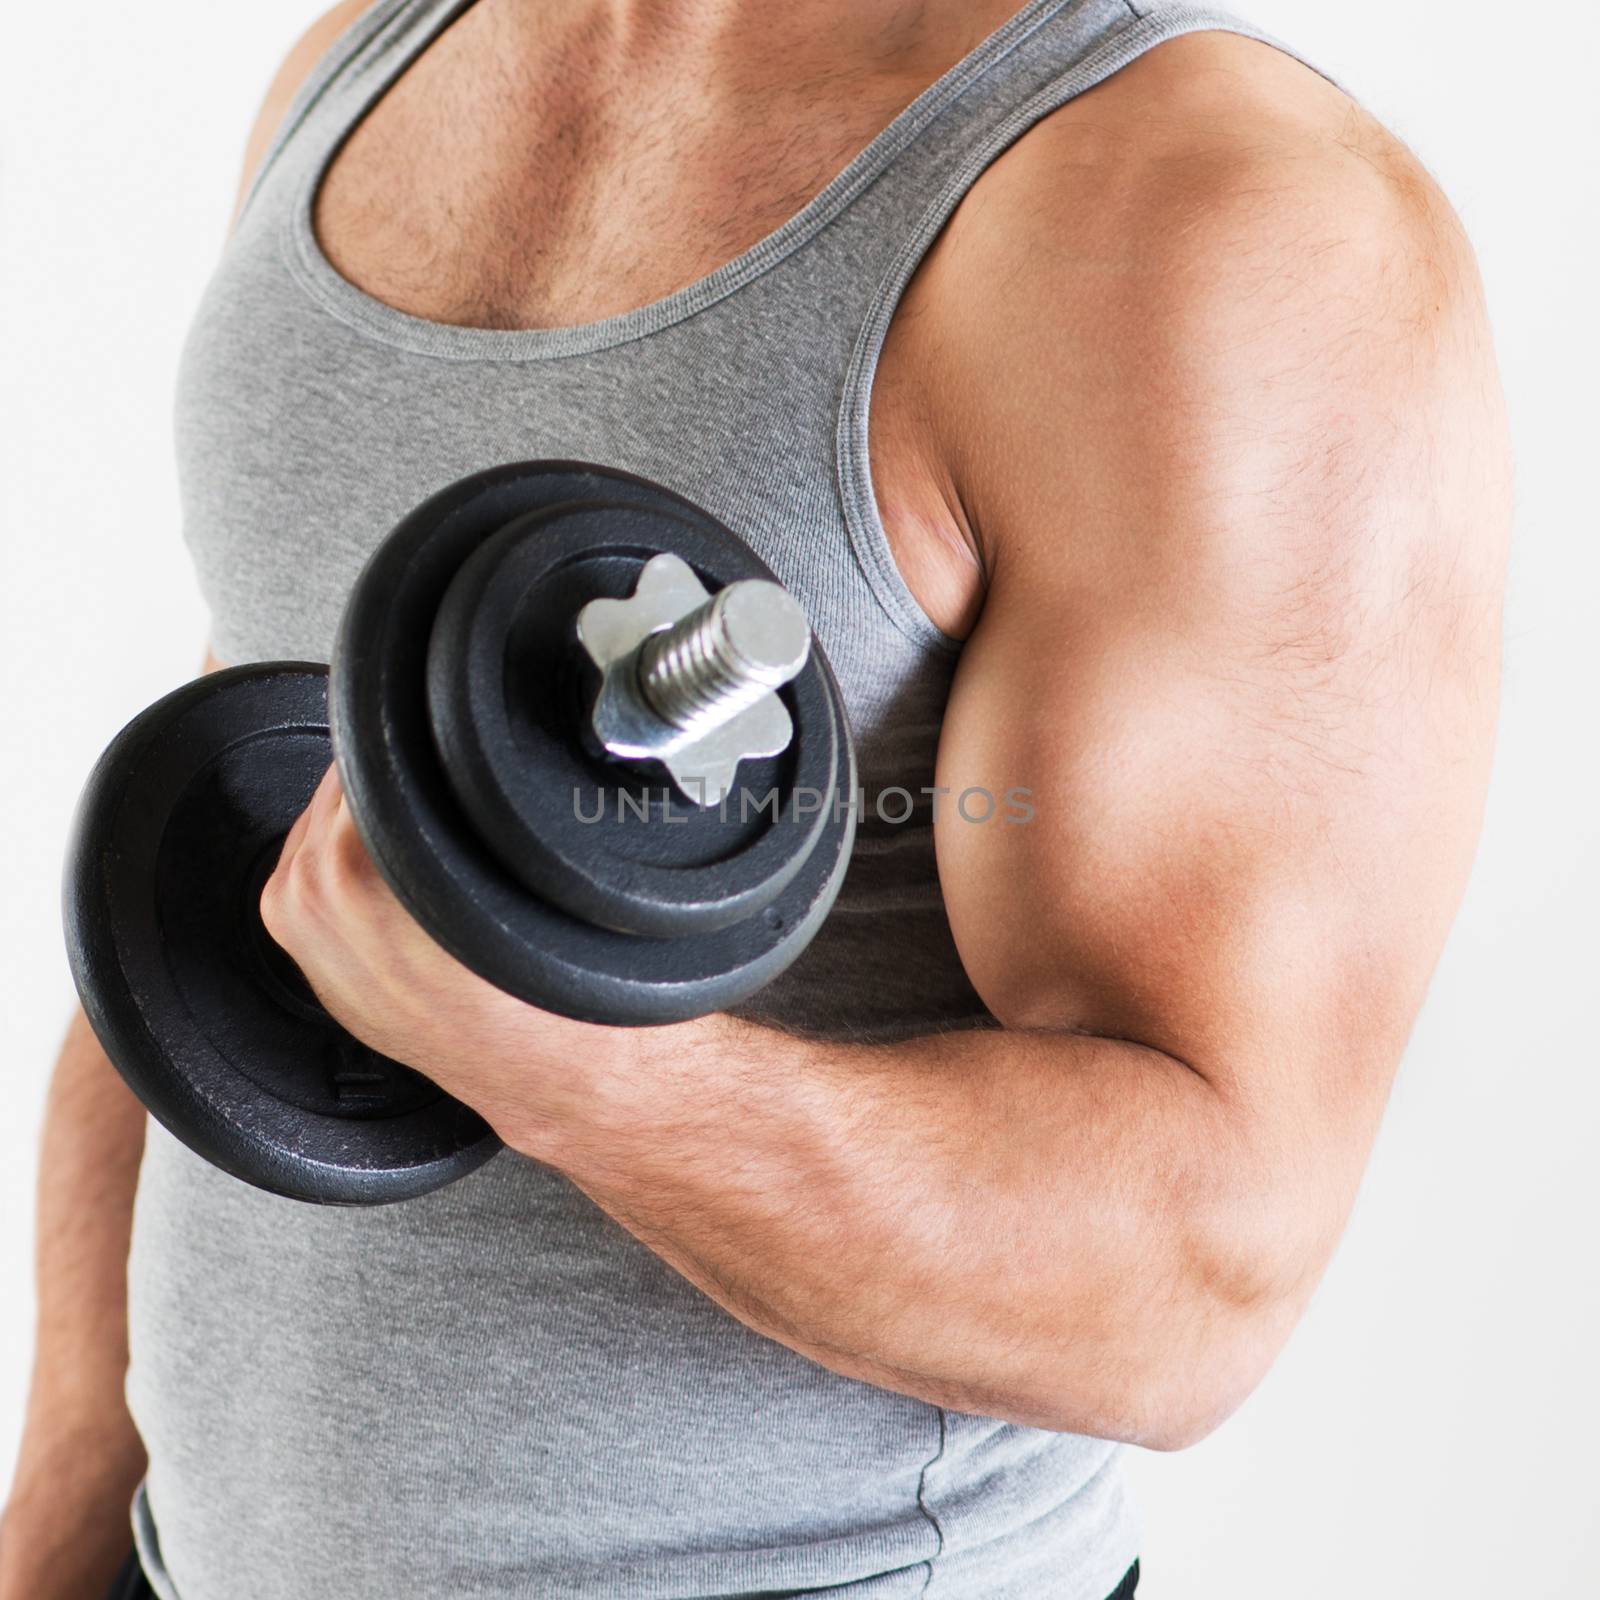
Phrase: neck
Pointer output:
(767, 44)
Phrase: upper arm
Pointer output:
(308, 50)
(1236, 456)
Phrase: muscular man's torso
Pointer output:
(494, 1387)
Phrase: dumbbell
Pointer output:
(587, 739)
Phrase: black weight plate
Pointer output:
(421, 839)
(586, 833)
(208, 1020)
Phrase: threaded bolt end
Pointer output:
(745, 641)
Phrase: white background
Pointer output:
(1433, 1427)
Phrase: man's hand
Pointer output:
(388, 983)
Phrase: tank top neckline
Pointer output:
(366, 314)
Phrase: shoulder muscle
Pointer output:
(1238, 339)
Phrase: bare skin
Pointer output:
(1217, 491)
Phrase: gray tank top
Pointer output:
(495, 1390)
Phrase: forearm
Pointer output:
(66, 1523)
(1049, 1228)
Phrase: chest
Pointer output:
(509, 182)
(513, 179)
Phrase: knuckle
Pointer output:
(290, 895)
(349, 862)
(273, 907)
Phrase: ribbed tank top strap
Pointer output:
(366, 49)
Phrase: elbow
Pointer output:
(1245, 1297)
(1159, 1342)
(1199, 1384)
(1158, 1414)
(1165, 1388)
(1226, 1336)
(1168, 1422)
(1180, 1359)
(1172, 1409)
(1254, 1244)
